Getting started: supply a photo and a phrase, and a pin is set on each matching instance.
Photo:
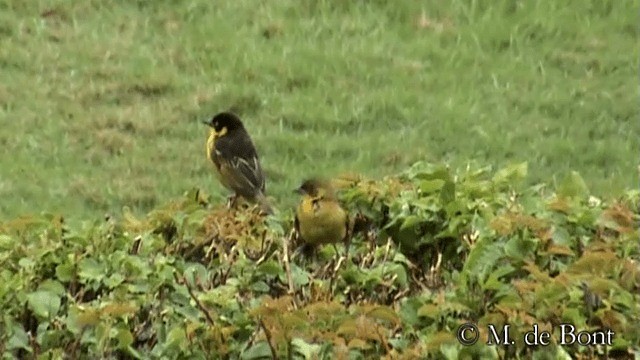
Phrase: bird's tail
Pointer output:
(263, 202)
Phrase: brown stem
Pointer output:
(193, 296)
(267, 334)
(287, 265)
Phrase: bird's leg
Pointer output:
(335, 247)
(347, 245)
(232, 200)
(340, 257)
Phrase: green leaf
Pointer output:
(139, 287)
(19, 339)
(410, 222)
(383, 313)
(561, 353)
(260, 286)
(44, 304)
(573, 316)
(401, 274)
(114, 280)
(177, 337)
(65, 272)
(430, 172)
(352, 275)
(493, 281)
(90, 269)
(309, 351)
(573, 186)
(430, 186)
(26, 263)
(270, 267)
(400, 344)
(300, 277)
(429, 310)
(259, 350)
(194, 273)
(622, 344)
(409, 310)
(454, 306)
(6, 242)
(124, 337)
(511, 173)
(454, 207)
(450, 351)
(52, 286)
(482, 257)
(448, 193)
(561, 236)
(520, 248)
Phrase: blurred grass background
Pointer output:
(101, 101)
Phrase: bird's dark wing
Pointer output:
(239, 157)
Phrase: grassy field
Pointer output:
(101, 101)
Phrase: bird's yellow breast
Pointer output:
(321, 221)
(221, 169)
(211, 141)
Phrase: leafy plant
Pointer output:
(432, 249)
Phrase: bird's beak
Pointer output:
(208, 123)
(298, 191)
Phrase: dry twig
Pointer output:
(183, 281)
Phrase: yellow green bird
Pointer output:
(234, 156)
(319, 217)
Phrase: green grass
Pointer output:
(100, 101)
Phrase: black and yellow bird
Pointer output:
(319, 217)
(232, 152)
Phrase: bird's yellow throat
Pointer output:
(211, 140)
(310, 204)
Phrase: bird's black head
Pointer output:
(223, 120)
